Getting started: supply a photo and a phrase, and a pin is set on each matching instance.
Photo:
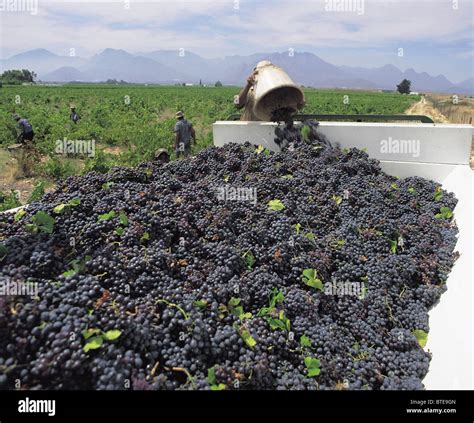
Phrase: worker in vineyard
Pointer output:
(26, 130)
(25, 138)
(246, 97)
(74, 116)
(185, 135)
(162, 156)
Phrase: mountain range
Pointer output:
(171, 67)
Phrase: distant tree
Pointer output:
(218, 84)
(200, 82)
(16, 76)
(184, 84)
(404, 87)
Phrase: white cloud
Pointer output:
(258, 25)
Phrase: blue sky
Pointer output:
(436, 35)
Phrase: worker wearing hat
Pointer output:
(162, 156)
(185, 134)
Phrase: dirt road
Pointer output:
(424, 107)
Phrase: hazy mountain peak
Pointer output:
(108, 52)
(35, 54)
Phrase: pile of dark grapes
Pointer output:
(239, 268)
(282, 114)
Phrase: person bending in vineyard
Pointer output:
(74, 116)
(29, 153)
(26, 130)
(185, 134)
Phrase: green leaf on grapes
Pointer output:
(233, 302)
(285, 320)
(305, 132)
(312, 366)
(445, 213)
(393, 246)
(310, 236)
(234, 307)
(246, 336)
(289, 176)
(276, 324)
(275, 205)
(107, 185)
(112, 335)
(438, 194)
(93, 343)
(123, 218)
(90, 332)
(212, 381)
(31, 228)
(249, 259)
(200, 303)
(394, 186)
(119, 231)
(421, 336)
(219, 387)
(245, 316)
(337, 243)
(43, 222)
(337, 199)
(276, 297)
(411, 190)
(69, 273)
(310, 278)
(60, 208)
(305, 341)
(106, 216)
(275, 318)
(296, 227)
(74, 202)
(145, 237)
(19, 214)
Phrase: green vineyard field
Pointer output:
(130, 122)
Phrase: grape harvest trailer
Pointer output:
(443, 156)
(436, 152)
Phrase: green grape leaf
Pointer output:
(19, 214)
(312, 366)
(112, 335)
(93, 343)
(275, 205)
(421, 336)
(305, 341)
(106, 216)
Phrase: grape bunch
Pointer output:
(314, 270)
